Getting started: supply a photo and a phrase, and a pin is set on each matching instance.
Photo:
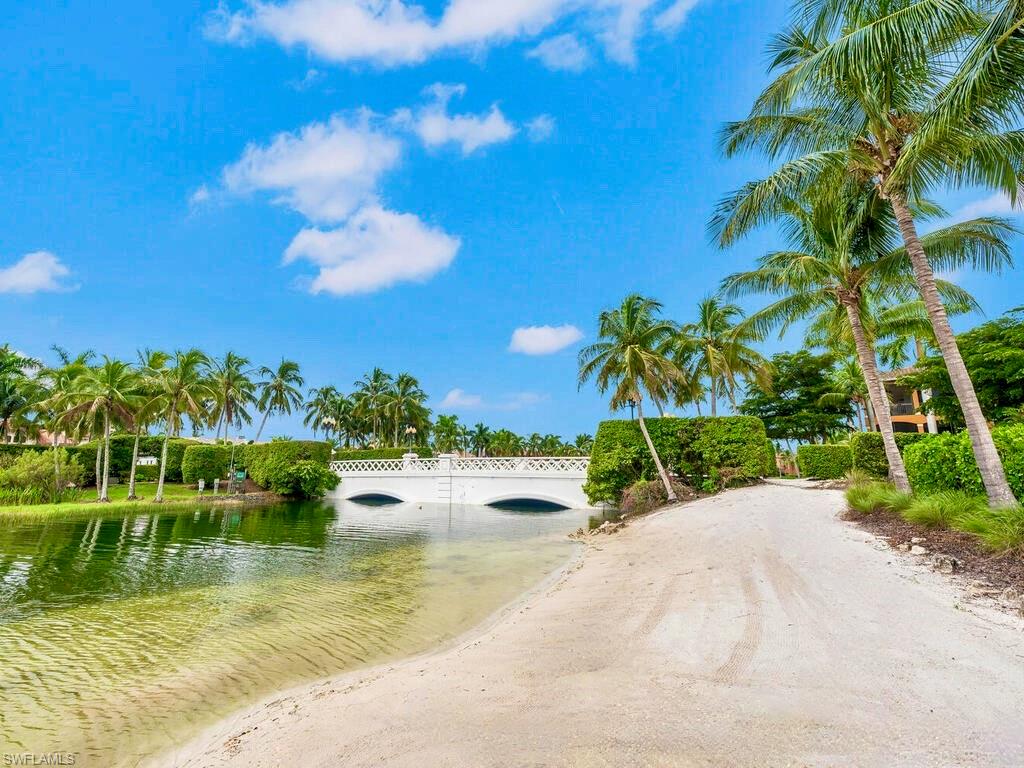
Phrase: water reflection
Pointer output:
(122, 635)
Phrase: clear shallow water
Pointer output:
(121, 636)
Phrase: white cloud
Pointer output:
(994, 205)
(325, 171)
(541, 128)
(564, 52)
(459, 399)
(436, 127)
(34, 272)
(199, 197)
(673, 17)
(375, 249)
(311, 78)
(543, 339)
(398, 32)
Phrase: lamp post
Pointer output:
(410, 436)
(632, 404)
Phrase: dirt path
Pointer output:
(750, 629)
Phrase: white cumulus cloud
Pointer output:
(34, 272)
(544, 339)
(399, 32)
(435, 127)
(541, 128)
(995, 205)
(459, 399)
(564, 52)
(375, 249)
(325, 170)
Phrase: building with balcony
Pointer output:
(904, 404)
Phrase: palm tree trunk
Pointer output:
(99, 466)
(106, 457)
(714, 398)
(654, 453)
(56, 468)
(135, 462)
(985, 454)
(263, 423)
(163, 467)
(866, 356)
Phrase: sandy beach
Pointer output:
(750, 629)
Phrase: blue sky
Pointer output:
(351, 183)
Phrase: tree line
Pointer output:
(873, 105)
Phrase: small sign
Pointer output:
(240, 474)
(202, 486)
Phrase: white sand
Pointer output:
(750, 629)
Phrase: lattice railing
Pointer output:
(534, 465)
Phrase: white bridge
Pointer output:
(452, 479)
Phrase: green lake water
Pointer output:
(122, 636)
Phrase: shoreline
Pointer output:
(758, 610)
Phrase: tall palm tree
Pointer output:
(631, 359)
(717, 349)
(182, 389)
(109, 391)
(849, 386)
(447, 434)
(403, 405)
(14, 381)
(844, 253)
(320, 410)
(231, 378)
(279, 391)
(505, 443)
(584, 444)
(863, 91)
(149, 363)
(480, 439)
(370, 397)
(348, 424)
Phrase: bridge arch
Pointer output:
(528, 496)
(369, 494)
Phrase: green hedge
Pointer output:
(357, 454)
(205, 462)
(13, 450)
(771, 468)
(287, 466)
(946, 462)
(869, 452)
(703, 450)
(825, 462)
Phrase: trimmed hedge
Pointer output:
(357, 454)
(946, 462)
(121, 447)
(771, 468)
(826, 462)
(13, 451)
(708, 452)
(286, 467)
(869, 452)
(205, 462)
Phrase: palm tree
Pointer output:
(320, 410)
(108, 391)
(849, 386)
(845, 253)
(447, 434)
(181, 389)
(370, 397)
(584, 444)
(348, 425)
(403, 405)
(480, 438)
(864, 92)
(716, 348)
(235, 390)
(630, 359)
(279, 391)
(150, 362)
(14, 380)
(505, 443)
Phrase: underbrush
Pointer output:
(645, 496)
(999, 530)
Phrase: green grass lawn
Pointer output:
(176, 496)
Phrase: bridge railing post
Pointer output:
(407, 460)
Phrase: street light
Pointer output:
(632, 404)
(410, 435)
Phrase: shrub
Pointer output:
(690, 448)
(274, 466)
(944, 509)
(877, 496)
(311, 479)
(946, 462)
(826, 462)
(32, 478)
(869, 452)
(357, 454)
(205, 462)
(147, 473)
(121, 448)
(771, 468)
(11, 452)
